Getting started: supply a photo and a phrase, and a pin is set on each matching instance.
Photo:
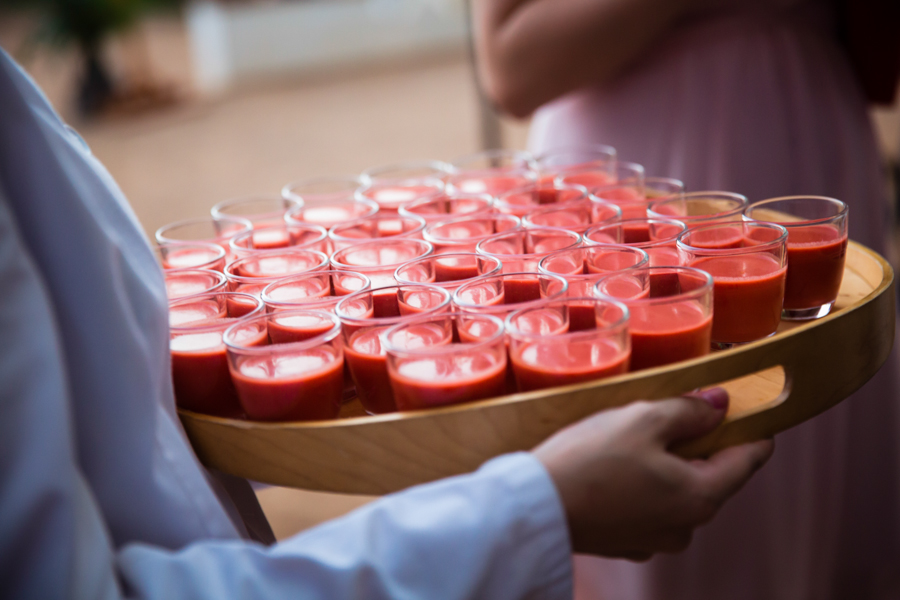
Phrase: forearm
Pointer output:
(532, 51)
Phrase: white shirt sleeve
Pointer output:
(100, 496)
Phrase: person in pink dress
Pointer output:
(765, 98)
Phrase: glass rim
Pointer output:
(291, 219)
(843, 210)
(527, 158)
(317, 340)
(335, 260)
(705, 288)
(372, 174)
(381, 321)
(485, 278)
(216, 210)
(229, 268)
(614, 327)
(194, 271)
(443, 349)
(525, 231)
(576, 149)
(210, 296)
(264, 295)
(780, 241)
(613, 166)
(430, 227)
(623, 222)
(219, 250)
(420, 225)
(409, 264)
(645, 259)
(711, 194)
(233, 241)
(587, 202)
(436, 186)
(405, 209)
(246, 225)
(288, 193)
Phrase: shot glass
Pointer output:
(462, 234)
(429, 367)
(254, 272)
(287, 378)
(577, 216)
(299, 236)
(319, 290)
(655, 236)
(407, 170)
(522, 249)
(200, 373)
(500, 294)
(616, 173)
(635, 196)
(362, 330)
(390, 195)
(204, 229)
(181, 283)
(816, 250)
(327, 201)
(199, 255)
(448, 271)
(594, 158)
(380, 226)
(378, 259)
(491, 172)
(263, 210)
(545, 352)
(748, 280)
(700, 208)
(582, 266)
(445, 207)
(671, 312)
(527, 199)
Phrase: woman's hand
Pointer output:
(625, 495)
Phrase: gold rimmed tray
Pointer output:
(775, 383)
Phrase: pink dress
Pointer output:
(762, 101)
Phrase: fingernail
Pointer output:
(716, 397)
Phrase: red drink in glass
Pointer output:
(376, 227)
(205, 230)
(655, 236)
(448, 271)
(262, 211)
(491, 172)
(700, 208)
(390, 195)
(521, 250)
(277, 237)
(252, 273)
(182, 283)
(445, 207)
(198, 255)
(462, 234)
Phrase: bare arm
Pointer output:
(532, 51)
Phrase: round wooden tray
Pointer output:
(775, 384)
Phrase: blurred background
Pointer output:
(191, 103)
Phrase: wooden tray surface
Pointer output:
(775, 384)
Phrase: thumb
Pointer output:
(690, 416)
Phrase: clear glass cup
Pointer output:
(655, 236)
(446, 207)
(181, 283)
(582, 266)
(299, 236)
(320, 290)
(262, 210)
(378, 259)
(616, 173)
(748, 274)
(462, 234)
(254, 272)
(522, 249)
(198, 255)
(287, 366)
(430, 364)
(407, 170)
(204, 229)
(577, 216)
(364, 320)
(200, 373)
(560, 161)
(546, 352)
(380, 226)
(448, 271)
(491, 172)
(527, 199)
(327, 201)
(700, 208)
(635, 197)
(816, 250)
(671, 312)
(502, 293)
(390, 195)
